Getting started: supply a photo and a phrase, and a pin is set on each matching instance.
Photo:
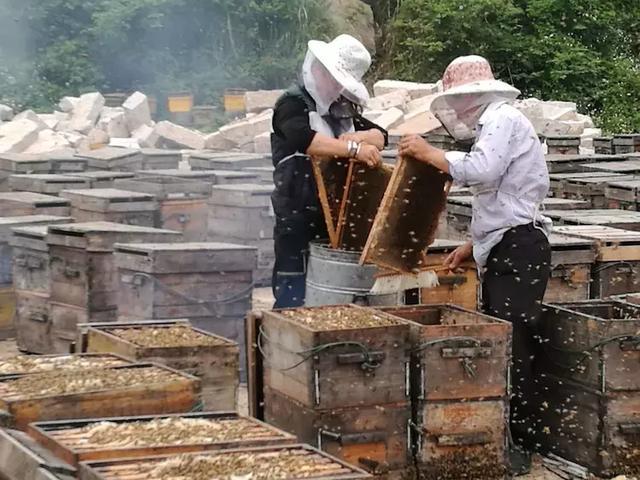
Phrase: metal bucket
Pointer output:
(334, 277)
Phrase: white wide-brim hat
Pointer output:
(347, 60)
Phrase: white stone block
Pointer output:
(74, 138)
(587, 120)
(113, 121)
(18, 135)
(33, 116)
(50, 120)
(145, 136)
(259, 100)
(131, 143)
(137, 110)
(243, 132)
(262, 143)
(373, 115)
(171, 135)
(415, 90)
(216, 141)
(422, 104)
(96, 138)
(395, 99)
(6, 113)
(391, 118)
(530, 107)
(67, 104)
(559, 111)
(416, 123)
(86, 112)
(48, 141)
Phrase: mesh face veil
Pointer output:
(320, 83)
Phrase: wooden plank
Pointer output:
(331, 177)
(109, 200)
(255, 368)
(407, 220)
(163, 187)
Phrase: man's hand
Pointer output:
(459, 255)
(417, 147)
(372, 137)
(369, 155)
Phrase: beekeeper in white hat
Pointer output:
(508, 176)
(322, 116)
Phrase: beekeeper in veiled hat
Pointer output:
(322, 116)
(508, 176)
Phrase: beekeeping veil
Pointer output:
(469, 87)
(334, 69)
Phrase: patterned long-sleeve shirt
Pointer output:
(508, 176)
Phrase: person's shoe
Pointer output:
(520, 461)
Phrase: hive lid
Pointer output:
(108, 153)
(629, 184)
(624, 166)
(51, 177)
(165, 186)
(242, 195)
(23, 163)
(189, 257)
(104, 175)
(595, 216)
(37, 200)
(160, 152)
(101, 236)
(7, 224)
(109, 199)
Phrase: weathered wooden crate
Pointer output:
(7, 311)
(603, 145)
(621, 219)
(21, 458)
(265, 174)
(622, 165)
(103, 178)
(263, 273)
(594, 343)
(588, 427)
(208, 283)
(623, 144)
(113, 158)
(65, 161)
(331, 176)
(407, 220)
(15, 204)
(213, 359)
(84, 280)
(76, 441)
(288, 462)
(336, 357)
(363, 195)
(459, 391)
(157, 158)
(38, 364)
(140, 389)
(623, 193)
(591, 189)
(32, 322)
(182, 203)
(225, 160)
(213, 177)
(24, 163)
(576, 163)
(616, 270)
(572, 260)
(112, 205)
(563, 145)
(49, 184)
(457, 288)
(558, 180)
(374, 437)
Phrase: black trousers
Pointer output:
(515, 281)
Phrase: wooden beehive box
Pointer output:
(591, 189)
(563, 145)
(76, 441)
(629, 167)
(374, 438)
(140, 389)
(84, 280)
(49, 184)
(213, 177)
(572, 260)
(157, 158)
(39, 364)
(371, 372)
(23, 163)
(112, 205)
(65, 161)
(622, 219)
(457, 288)
(241, 211)
(264, 174)
(113, 158)
(225, 160)
(459, 390)
(15, 204)
(103, 178)
(213, 359)
(408, 217)
(617, 267)
(289, 462)
(603, 145)
(623, 144)
(363, 195)
(585, 426)
(331, 176)
(575, 163)
(182, 203)
(623, 193)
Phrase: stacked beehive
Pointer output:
(111, 158)
(623, 144)
(182, 203)
(208, 283)
(20, 269)
(47, 183)
(585, 406)
(563, 145)
(20, 163)
(337, 377)
(156, 158)
(84, 280)
(242, 213)
(213, 177)
(13, 204)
